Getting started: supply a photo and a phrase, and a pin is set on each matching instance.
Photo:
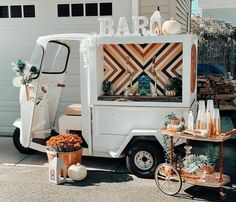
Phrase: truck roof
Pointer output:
(43, 40)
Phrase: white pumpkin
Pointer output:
(77, 172)
(170, 27)
(170, 93)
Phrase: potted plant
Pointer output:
(172, 123)
(212, 155)
(195, 162)
(68, 146)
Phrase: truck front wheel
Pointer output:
(18, 145)
(143, 158)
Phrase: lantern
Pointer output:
(155, 23)
(57, 170)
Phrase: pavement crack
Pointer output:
(21, 160)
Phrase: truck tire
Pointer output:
(143, 158)
(18, 145)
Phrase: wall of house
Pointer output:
(147, 8)
(17, 40)
(183, 14)
(218, 9)
(179, 9)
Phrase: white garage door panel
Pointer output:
(6, 123)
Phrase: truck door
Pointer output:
(49, 90)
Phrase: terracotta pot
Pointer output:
(69, 158)
(209, 169)
(175, 121)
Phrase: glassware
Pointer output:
(127, 91)
(154, 91)
(210, 105)
(200, 123)
(199, 119)
(202, 105)
(217, 121)
(210, 119)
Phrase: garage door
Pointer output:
(22, 22)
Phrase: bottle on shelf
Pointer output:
(190, 121)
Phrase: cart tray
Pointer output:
(221, 138)
(211, 180)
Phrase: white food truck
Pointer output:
(117, 125)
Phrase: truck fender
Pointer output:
(135, 133)
(17, 123)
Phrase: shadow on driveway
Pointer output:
(95, 178)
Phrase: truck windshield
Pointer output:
(36, 58)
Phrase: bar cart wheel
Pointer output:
(168, 179)
(223, 195)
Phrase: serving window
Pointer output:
(142, 72)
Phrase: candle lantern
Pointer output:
(156, 22)
(57, 170)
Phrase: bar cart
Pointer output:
(169, 177)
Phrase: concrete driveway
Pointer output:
(9, 156)
(25, 178)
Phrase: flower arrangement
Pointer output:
(173, 123)
(64, 143)
(24, 73)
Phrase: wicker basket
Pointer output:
(69, 158)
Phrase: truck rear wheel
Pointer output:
(18, 145)
(143, 158)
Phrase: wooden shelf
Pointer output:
(210, 180)
(138, 98)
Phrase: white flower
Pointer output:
(27, 65)
(87, 46)
(17, 81)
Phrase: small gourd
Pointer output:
(170, 93)
(171, 27)
(77, 172)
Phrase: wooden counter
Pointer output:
(139, 98)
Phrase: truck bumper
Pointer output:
(17, 123)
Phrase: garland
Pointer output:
(88, 45)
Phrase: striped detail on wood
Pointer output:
(168, 64)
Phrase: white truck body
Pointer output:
(107, 127)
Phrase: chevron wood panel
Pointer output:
(168, 63)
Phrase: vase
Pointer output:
(69, 158)
(187, 152)
(209, 169)
(27, 91)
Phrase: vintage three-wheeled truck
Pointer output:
(116, 125)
